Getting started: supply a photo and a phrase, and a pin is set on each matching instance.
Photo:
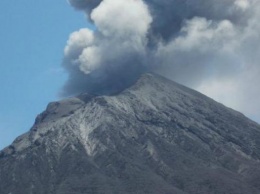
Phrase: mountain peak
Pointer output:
(154, 137)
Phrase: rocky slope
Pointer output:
(156, 137)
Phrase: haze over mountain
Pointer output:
(154, 137)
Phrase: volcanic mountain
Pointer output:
(155, 137)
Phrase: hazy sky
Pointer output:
(197, 51)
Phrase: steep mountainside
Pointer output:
(156, 137)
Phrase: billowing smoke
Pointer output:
(113, 56)
(209, 45)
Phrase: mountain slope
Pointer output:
(155, 137)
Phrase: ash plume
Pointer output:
(209, 45)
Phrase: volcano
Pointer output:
(155, 137)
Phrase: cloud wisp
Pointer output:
(212, 46)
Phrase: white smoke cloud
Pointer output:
(212, 46)
(122, 19)
(122, 29)
(77, 42)
(242, 4)
(102, 61)
(206, 49)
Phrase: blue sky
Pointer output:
(33, 34)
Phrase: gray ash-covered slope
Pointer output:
(156, 137)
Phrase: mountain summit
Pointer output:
(156, 137)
